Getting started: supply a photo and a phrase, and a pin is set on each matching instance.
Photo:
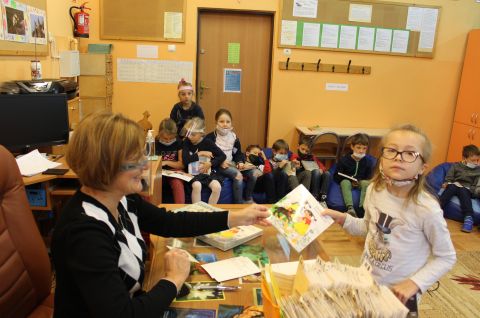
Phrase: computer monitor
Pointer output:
(33, 120)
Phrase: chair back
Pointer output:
(25, 272)
(326, 146)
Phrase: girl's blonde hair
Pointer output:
(420, 184)
(167, 126)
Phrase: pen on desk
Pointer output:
(217, 287)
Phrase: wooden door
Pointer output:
(252, 33)
(468, 101)
(462, 135)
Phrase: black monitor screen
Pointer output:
(33, 120)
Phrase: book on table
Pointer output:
(227, 239)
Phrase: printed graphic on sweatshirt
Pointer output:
(378, 245)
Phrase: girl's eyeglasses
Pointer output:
(407, 155)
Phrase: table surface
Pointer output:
(244, 296)
(342, 131)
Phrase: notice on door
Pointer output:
(232, 80)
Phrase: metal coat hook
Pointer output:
(348, 67)
(333, 69)
(303, 65)
(363, 70)
(318, 64)
(288, 60)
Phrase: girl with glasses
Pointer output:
(407, 244)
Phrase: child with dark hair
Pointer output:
(319, 175)
(463, 181)
(263, 172)
(354, 171)
(169, 148)
(186, 109)
(224, 137)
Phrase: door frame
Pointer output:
(271, 14)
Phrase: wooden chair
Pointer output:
(25, 270)
(326, 147)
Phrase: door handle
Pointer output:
(203, 87)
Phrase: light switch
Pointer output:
(287, 52)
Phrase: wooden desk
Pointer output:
(244, 296)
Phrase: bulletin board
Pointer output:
(23, 27)
(395, 28)
(147, 20)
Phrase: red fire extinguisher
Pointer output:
(80, 21)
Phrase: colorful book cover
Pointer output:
(230, 238)
(298, 217)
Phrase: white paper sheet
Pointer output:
(147, 51)
(400, 41)
(153, 71)
(34, 163)
(172, 25)
(414, 18)
(311, 34)
(231, 268)
(366, 38)
(360, 13)
(427, 33)
(305, 8)
(383, 40)
(289, 32)
(348, 37)
(330, 35)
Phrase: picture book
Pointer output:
(194, 167)
(309, 165)
(177, 174)
(298, 217)
(198, 207)
(347, 176)
(230, 238)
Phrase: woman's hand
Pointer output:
(405, 289)
(253, 214)
(204, 166)
(338, 217)
(177, 267)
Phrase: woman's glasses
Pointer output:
(134, 165)
(407, 155)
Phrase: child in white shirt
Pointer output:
(407, 241)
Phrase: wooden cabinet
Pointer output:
(95, 83)
(466, 125)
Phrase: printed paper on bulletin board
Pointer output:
(23, 27)
(356, 26)
(148, 20)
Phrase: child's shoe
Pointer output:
(467, 224)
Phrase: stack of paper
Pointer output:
(298, 217)
(198, 207)
(177, 174)
(228, 239)
(34, 163)
(231, 268)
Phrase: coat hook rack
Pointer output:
(322, 67)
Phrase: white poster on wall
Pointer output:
(305, 8)
(311, 34)
(15, 21)
(1, 21)
(289, 32)
(330, 35)
(232, 80)
(37, 21)
(366, 38)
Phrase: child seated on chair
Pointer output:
(169, 148)
(284, 171)
(463, 181)
(320, 177)
(354, 171)
(196, 147)
(263, 172)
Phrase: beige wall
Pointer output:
(399, 90)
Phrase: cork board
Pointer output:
(143, 20)
(25, 48)
(390, 20)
